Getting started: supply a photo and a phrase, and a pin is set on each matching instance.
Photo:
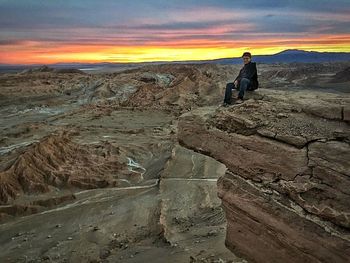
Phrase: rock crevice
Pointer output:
(286, 193)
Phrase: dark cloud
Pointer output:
(147, 21)
(93, 13)
(195, 25)
(10, 42)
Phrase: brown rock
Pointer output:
(262, 229)
(333, 155)
(287, 196)
(324, 110)
(58, 161)
(252, 156)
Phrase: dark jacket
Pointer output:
(250, 72)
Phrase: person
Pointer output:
(247, 79)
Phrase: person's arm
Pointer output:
(238, 78)
(252, 71)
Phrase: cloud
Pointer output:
(40, 26)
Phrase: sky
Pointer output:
(52, 31)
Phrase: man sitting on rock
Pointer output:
(247, 79)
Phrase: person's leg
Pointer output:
(228, 93)
(243, 86)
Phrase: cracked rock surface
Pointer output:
(286, 189)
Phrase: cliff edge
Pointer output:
(286, 190)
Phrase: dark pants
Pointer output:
(243, 86)
(228, 93)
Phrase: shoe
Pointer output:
(225, 104)
(239, 101)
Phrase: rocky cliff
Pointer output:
(91, 169)
(286, 191)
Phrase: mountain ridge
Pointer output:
(293, 56)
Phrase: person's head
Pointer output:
(247, 57)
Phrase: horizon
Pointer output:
(169, 61)
(39, 32)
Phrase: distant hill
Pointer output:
(291, 56)
(42, 69)
(286, 56)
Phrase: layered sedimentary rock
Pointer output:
(286, 191)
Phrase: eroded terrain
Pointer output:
(92, 169)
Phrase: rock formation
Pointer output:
(58, 162)
(94, 159)
(286, 192)
(341, 76)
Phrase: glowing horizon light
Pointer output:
(149, 54)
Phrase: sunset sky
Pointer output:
(50, 31)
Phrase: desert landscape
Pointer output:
(144, 165)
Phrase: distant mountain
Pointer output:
(292, 56)
(286, 56)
